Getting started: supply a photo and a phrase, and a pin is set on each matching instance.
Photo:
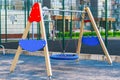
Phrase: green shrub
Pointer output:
(110, 33)
(117, 33)
(67, 34)
(102, 33)
(76, 34)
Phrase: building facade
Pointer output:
(98, 8)
(116, 13)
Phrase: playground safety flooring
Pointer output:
(33, 68)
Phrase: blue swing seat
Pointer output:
(64, 56)
(90, 41)
(32, 45)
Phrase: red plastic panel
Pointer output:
(87, 21)
(35, 13)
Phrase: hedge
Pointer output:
(76, 34)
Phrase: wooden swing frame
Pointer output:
(43, 36)
(87, 10)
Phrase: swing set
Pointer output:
(90, 40)
(94, 40)
(35, 45)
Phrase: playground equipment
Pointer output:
(87, 10)
(36, 15)
(88, 40)
(34, 45)
(64, 56)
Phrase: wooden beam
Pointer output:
(46, 53)
(80, 36)
(98, 34)
(15, 60)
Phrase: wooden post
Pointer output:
(15, 60)
(98, 34)
(80, 36)
(46, 53)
